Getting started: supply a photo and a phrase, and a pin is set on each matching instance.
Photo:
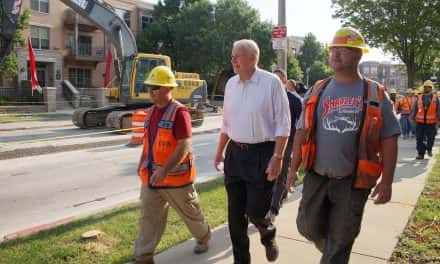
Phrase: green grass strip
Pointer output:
(8, 118)
(420, 241)
(63, 244)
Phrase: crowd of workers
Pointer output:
(344, 133)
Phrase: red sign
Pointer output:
(279, 32)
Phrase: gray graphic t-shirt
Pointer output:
(339, 116)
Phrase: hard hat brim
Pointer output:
(363, 49)
(163, 84)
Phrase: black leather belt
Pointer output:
(249, 145)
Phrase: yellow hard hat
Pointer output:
(348, 37)
(409, 90)
(393, 91)
(429, 83)
(161, 76)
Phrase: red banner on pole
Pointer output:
(34, 80)
(279, 32)
(108, 65)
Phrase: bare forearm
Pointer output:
(280, 146)
(389, 150)
(223, 140)
(300, 138)
(182, 149)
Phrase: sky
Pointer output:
(304, 16)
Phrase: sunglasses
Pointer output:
(153, 88)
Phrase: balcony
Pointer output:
(86, 53)
(71, 19)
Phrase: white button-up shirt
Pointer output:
(255, 110)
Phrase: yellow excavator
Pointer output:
(131, 69)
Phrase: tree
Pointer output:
(408, 29)
(293, 69)
(9, 67)
(310, 52)
(318, 71)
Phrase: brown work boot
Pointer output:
(272, 251)
(201, 248)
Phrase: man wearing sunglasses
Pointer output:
(346, 140)
(167, 170)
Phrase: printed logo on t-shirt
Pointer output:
(342, 114)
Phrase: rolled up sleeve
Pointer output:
(281, 111)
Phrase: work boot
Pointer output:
(420, 157)
(201, 248)
(271, 251)
(430, 153)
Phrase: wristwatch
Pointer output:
(278, 156)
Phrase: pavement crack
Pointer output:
(91, 201)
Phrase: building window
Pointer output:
(373, 70)
(125, 15)
(40, 5)
(40, 37)
(80, 78)
(145, 21)
(85, 46)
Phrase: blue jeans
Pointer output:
(406, 126)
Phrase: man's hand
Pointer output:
(219, 158)
(290, 181)
(382, 192)
(274, 168)
(158, 176)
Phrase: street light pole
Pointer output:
(282, 54)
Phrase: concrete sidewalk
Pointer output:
(381, 226)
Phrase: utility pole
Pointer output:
(282, 54)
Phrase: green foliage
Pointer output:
(408, 29)
(318, 71)
(9, 67)
(293, 69)
(198, 35)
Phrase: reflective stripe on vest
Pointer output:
(429, 115)
(163, 145)
(369, 164)
(405, 105)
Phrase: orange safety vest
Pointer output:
(369, 163)
(163, 145)
(405, 104)
(427, 117)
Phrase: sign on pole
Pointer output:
(279, 37)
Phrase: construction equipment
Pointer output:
(131, 69)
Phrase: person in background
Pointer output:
(295, 105)
(255, 129)
(404, 106)
(393, 95)
(426, 115)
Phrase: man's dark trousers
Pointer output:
(249, 195)
(425, 131)
(330, 215)
(280, 192)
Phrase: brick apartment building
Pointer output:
(55, 30)
(390, 75)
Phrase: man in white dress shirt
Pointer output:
(255, 128)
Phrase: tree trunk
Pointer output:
(217, 79)
(411, 72)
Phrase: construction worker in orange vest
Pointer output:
(426, 115)
(167, 170)
(346, 140)
(403, 106)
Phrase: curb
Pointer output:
(35, 151)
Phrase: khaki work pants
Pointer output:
(154, 212)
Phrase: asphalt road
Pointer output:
(41, 189)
